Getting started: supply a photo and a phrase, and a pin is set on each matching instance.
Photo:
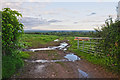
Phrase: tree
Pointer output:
(11, 30)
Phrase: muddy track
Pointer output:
(68, 69)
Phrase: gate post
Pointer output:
(83, 45)
(78, 44)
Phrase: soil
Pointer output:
(60, 69)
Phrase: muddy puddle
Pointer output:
(62, 46)
(72, 57)
(82, 73)
(69, 57)
(39, 68)
(46, 61)
(56, 40)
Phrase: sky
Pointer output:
(63, 15)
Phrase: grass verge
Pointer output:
(10, 64)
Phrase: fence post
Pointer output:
(83, 45)
(78, 44)
(90, 44)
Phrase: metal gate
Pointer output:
(88, 45)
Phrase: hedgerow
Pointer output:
(12, 30)
(110, 43)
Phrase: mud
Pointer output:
(60, 64)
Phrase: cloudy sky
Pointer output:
(63, 15)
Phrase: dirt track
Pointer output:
(60, 69)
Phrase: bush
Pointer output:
(11, 30)
(10, 65)
(110, 43)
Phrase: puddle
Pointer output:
(62, 46)
(65, 49)
(84, 74)
(39, 68)
(56, 40)
(72, 57)
(46, 61)
(69, 57)
(39, 49)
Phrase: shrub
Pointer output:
(11, 30)
(110, 43)
(10, 65)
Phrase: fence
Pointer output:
(88, 45)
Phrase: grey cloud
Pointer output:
(31, 22)
(93, 13)
(53, 21)
(75, 22)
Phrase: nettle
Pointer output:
(11, 30)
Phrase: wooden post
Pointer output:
(83, 45)
(78, 44)
(90, 45)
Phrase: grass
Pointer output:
(88, 56)
(10, 64)
(35, 40)
(54, 58)
(24, 55)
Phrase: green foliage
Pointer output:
(110, 43)
(9, 65)
(95, 58)
(12, 63)
(24, 55)
(11, 30)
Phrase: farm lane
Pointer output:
(48, 64)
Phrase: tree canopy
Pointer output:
(11, 30)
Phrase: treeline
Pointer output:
(63, 33)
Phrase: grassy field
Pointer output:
(35, 40)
